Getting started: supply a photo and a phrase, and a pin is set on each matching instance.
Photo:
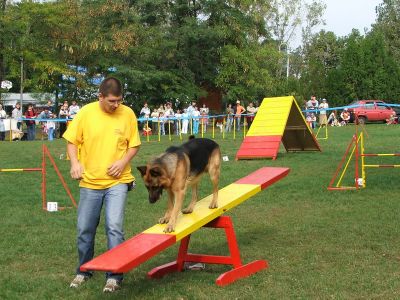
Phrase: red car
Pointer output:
(371, 111)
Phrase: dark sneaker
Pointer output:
(78, 281)
(111, 285)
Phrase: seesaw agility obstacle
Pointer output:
(46, 154)
(356, 149)
(152, 241)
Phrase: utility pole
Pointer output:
(21, 88)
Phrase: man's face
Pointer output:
(110, 103)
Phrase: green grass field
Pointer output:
(319, 244)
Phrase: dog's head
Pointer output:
(155, 180)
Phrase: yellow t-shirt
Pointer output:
(103, 139)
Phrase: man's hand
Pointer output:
(115, 170)
(76, 171)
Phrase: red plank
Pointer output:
(264, 176)
(262, 139)
(259, 147)
(130, 253)
(256, 153)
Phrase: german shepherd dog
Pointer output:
(180, 167)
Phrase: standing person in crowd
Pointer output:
(160, 109)
(17, 114)
(45, 114)
(204, 110)
(3, 116)
(169, 115)
(323, 121)
(309, 120)
(196, 120)
(162, 121)
(108, 135)
(185, 121)
(312, 104)
(239, 111)
(178, 119)
(63, 114)
(73, 109)
(145, 111)
(251, 110)
(191, 108)
(314, 120)
(51, 127)
(50, 105)
(229, 118)
(30, 114)
(154, 121)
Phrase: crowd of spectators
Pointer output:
(53, 121)
(192, 119)
(313, 108)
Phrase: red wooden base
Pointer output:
(239, 270)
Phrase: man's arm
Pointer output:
(116, 169)
(76, 167)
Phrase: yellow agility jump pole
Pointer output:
(213, 128)
(356, 139)
(351, 148)
(326, 133)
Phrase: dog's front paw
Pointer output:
(163, 220)
(187, 210)
(213, 205)
(169, 228)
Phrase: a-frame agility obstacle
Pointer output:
(46, 154)
(355, 152)
(277, 120)
(147, 244)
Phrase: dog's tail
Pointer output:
(191, 137)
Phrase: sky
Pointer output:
(342, 16)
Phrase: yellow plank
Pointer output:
(228, 197)
(271, 117)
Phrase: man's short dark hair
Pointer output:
(110, 85)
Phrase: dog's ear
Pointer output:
(156, 172)
(142, 170)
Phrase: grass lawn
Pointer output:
(320, 244)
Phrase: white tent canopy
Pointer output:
(10, 99)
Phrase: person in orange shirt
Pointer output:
(238, 115)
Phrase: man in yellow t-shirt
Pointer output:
(107, 134)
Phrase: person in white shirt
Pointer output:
(196, 120)
(17, 114)
(185, 121)
(178, 126)
(312, 104)
(145, 111)
(50, 127)
(3, 115)
(322, 113)
(251, 110)
(73, 109)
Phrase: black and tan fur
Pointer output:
(177, 169)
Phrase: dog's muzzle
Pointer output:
(155, 194)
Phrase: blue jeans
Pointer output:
(238, 123)
(50, 134)
(89, 210)
(31, 132)
(195, 126)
